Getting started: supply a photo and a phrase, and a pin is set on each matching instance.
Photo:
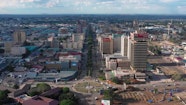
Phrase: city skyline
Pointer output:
(172, 7)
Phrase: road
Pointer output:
(85, 98)
(5, 64)
(83, 72)
(89, 99)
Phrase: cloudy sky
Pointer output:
(92, 6)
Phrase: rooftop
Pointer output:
(39, 100)
(62, 74)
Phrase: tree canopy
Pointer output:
(40, 88)
(66, 90)
(33, 92)
(43, 87)
(67, 102)
(178, 77)
(108, 94)
(2, 50)
(3, 95)
(116, 80)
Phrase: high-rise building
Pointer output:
(81, 26)
(78, 37)
(106, 45)
(18, 51)
(117, 42)
(19, 37)
(7, 46)
(63, 32)
(138, 43)
(135, 23)
(124, 45)
(53, 42)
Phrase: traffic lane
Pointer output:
(161, 85)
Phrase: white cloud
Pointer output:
(7, 3)
(168, 1)
(98, 6)
(14, 3)
(81, 2)
(181, 9)
(25, 1)
(52, 3)
(28, 3)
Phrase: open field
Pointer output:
(88, 87)
(167, 66)
(142, 97)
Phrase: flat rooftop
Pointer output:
(62, 74)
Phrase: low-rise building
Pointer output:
(126, 74)
(78, 37)
(73, 45)
(40, 100)
(114, 61)
(7, 46)
(18, 51)
(53, 65)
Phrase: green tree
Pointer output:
(108, 94)
(67, 102)
(10, 68)
(67, 96)
(3, 95)
(177, 77)
(33, 92)
(66, 90)
(116, 80)
(2, 51)
(43, 87)
(16, 86)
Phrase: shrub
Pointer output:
(66, 90)
(67, 102)
(43, 87)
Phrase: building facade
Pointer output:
(138, 43)
(7, 46)
(107, 45)
(19, 37)
(124, 45)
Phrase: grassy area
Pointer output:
(81, 87)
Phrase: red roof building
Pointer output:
(39, 100)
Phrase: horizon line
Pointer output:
(98, 14)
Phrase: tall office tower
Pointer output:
(138, 42)
(107, 45)
(124, 45)
(19, 37)
(129, 49)
(7, 46)
(117, 42)
(78, 37)
(135, 23)
(53, 42)
(81, 26)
